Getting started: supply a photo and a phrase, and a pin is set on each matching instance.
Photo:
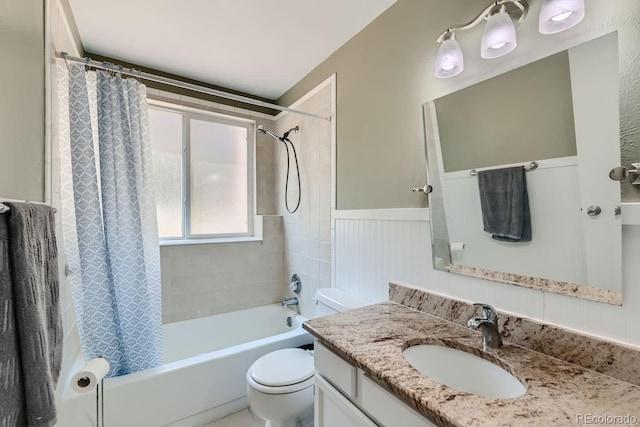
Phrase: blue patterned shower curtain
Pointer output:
(109, 218)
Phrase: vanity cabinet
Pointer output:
(332, 408)
(346, 397)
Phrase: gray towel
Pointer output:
(33, 262)
(505, 204)
(11, 402)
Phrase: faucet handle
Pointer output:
(488, 312)
(474, 322)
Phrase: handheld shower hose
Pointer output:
(284, 139)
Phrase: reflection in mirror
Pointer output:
(559, 114)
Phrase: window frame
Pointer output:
(188, 114)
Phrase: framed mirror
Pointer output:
(558, 118)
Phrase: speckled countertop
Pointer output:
(373, 338)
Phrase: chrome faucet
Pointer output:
(290, 301)
(489, 325)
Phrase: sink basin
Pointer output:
(463, 371)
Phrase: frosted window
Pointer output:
(166, 144)
(219, 178)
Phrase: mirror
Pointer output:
(558, 117)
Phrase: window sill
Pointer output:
(210, 241)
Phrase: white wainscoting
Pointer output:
(374, 247)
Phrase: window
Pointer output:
(203, 166)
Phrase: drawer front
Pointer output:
(337, 371)
(387, 409)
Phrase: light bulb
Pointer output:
(499, 36)
(449, 59)
(560, 15)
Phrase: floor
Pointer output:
(244, 418)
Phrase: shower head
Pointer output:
(262, 129)
(284, 139)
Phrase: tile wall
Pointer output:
(307, 232)
(204, 279)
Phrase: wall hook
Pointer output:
(621, 173)
(426, 189)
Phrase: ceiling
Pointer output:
(255, 46)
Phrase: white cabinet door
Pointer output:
(332, 409)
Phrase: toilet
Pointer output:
(280, 384)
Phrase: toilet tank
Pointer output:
(333, 300)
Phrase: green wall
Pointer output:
(487, 124)
(385, 74)
(22, 98)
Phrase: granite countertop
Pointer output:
(373, 338)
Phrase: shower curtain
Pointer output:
(109, 217)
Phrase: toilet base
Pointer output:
(305, 420)
(283, 410)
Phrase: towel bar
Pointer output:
(528, 167)
(4, 208)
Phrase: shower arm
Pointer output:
(282, 138)
(293, 129)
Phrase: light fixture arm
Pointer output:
(517, 10)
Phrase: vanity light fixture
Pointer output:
(449, 60)
(560, 15)
(499, 35)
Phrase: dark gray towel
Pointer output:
(505, 204)
(33, 262)
(11, 394)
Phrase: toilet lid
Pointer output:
(283, 367)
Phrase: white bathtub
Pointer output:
(203, 375)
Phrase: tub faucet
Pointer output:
(488, 323)
(290, 301)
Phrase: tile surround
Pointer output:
(205, 279)
(307, 233)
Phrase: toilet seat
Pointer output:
(282, 371)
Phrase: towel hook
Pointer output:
(426, 189)
(621, 173)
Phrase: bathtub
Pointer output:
(203, 375)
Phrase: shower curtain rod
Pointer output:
(177, 83)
